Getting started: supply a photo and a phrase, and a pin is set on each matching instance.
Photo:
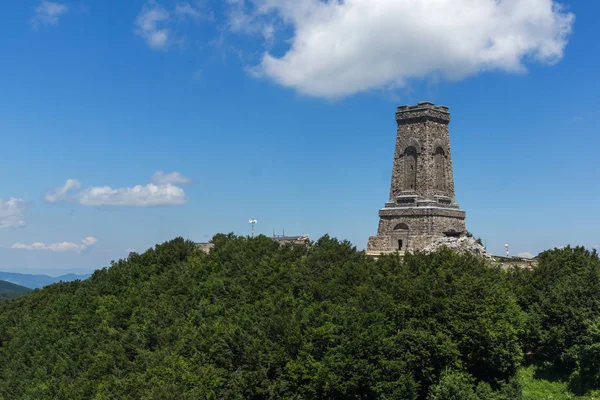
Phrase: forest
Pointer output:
(257, 320)
(9, 290)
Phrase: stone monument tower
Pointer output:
(422, 205)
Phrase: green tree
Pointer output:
(562, 299)
(254, 319)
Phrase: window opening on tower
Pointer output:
(410, 155)
(440, 169)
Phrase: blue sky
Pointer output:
(284, 111)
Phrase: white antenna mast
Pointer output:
(253, 222)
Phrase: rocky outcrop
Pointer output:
(461, 244)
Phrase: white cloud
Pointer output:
(525, 254)
(12, 213)
(154, 23)
(47, 13)
(186, 10)
(61, 192)
(242, 18)
(175, 178)
(161, 192)
(147, 26)
(85, 244)
(343, 47)
(148, 195)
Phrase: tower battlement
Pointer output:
(423, 111)
(422, 205)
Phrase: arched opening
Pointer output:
(400, 236)
(401, 227)
(440, 168)
(410, 164)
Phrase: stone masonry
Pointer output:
(422, 206)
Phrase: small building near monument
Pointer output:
(303, 240)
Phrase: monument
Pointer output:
(422, 205)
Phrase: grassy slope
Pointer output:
(541, 389)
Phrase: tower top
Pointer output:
(423, 111)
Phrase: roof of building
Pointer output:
(290, 238)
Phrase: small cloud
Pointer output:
(62, 192)
(174, 178)
(525, 254)
(186, 10)
(161, 192)
(154, 23)
(242, 19)
(47, 13)
(12, 213)
(85, 244)
(578, 118)
(147, 26)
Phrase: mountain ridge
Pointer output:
(10, 290)
(37, 281)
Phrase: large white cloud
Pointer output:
(12, 213)
(343, 47)
(58, 247)
(162, 192)
(47, 13)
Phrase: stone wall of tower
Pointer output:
(424, 127)
(421, 207)
(425, 226)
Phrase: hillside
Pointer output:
(36, 281)
(9, 290)
(256, 320)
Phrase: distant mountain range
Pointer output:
(9, 290)
(37, 281)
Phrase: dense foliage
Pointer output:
(9, 290)
(256, 320)
(562, 299)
